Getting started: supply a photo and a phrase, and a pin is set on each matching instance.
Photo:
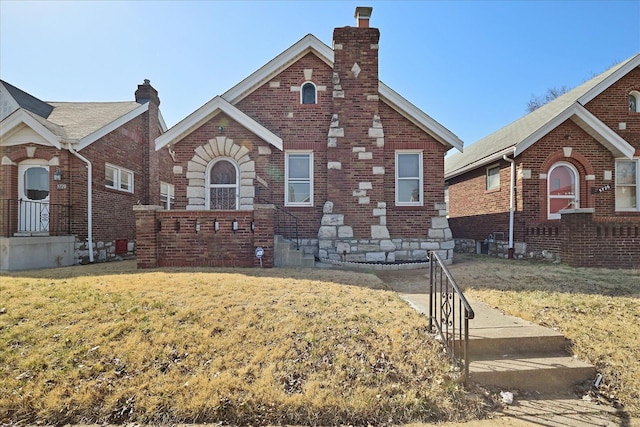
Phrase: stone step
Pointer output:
(544, 373)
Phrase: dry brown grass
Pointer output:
(598, 310)
(110, 344)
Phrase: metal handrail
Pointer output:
(449, 312)
(285, 224)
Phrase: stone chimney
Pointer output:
(354, 217)
(147, 93)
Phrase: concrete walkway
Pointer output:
(494, 335)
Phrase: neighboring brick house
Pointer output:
(314, 137)
(576, 178)
(52, 211)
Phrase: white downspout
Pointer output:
(512, 184)
(89, 201)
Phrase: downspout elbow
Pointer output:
(89, 199)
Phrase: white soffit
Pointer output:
(20, 118)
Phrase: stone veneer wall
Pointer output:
(337, 243)
(102, 251)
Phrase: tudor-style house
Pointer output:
(311, 152)
(70, 173)
(561, 182)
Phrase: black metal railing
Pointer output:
(26, 217)
(449, 312)
(285, 223)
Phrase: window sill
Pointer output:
(493, 190)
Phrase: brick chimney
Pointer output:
(150, 131)
(146, 93)
(355, 149)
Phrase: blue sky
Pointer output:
(471, 65)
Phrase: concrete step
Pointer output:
(286, 254)
(544, 373)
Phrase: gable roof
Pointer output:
(524, 132)
(78, 123)
(27, 101)
(311, 44)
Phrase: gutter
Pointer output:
(512, 184)
(89, 201)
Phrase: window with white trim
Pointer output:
(634, 101)
(167, 195)
(222, 185)
(627, 185)
(562, 189)
(308, 93)
(493, 177)
(298, 188)
(118, 178)
(409, 178)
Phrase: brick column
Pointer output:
(578, 232)
(263, 218)
(146, 235)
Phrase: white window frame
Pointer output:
(489, 169)
(118, 173)
(315, 93)
(637, 185)
(635, 94)
(576, 196)
(288, 180)
(167, 197)
(209, 185)
(420, 178)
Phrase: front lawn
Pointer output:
(110, 344)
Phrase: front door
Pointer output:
(33, 192)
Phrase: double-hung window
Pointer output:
(627, 185)
(493, 178)
(118, 178)
(409, 178)
(167, 195)
(299, 179)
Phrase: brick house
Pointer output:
(562, 181)
(311, 148)
(70, 173)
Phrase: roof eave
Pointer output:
(632, 63)
(120, 121)
(419, 118)
(206, 112)
(479, 163)
(308, 43)
(20, 116)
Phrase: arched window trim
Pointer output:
(209, 185)
(576, 195)
(635, 95)
(315, 93)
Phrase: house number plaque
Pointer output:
(61, 186)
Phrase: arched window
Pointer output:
(308, 93)
(634, 101)
(563, 190)
(222, 185)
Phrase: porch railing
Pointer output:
(285, 223)
(26, 217)
(449, 312)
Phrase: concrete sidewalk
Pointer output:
(496, 336)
